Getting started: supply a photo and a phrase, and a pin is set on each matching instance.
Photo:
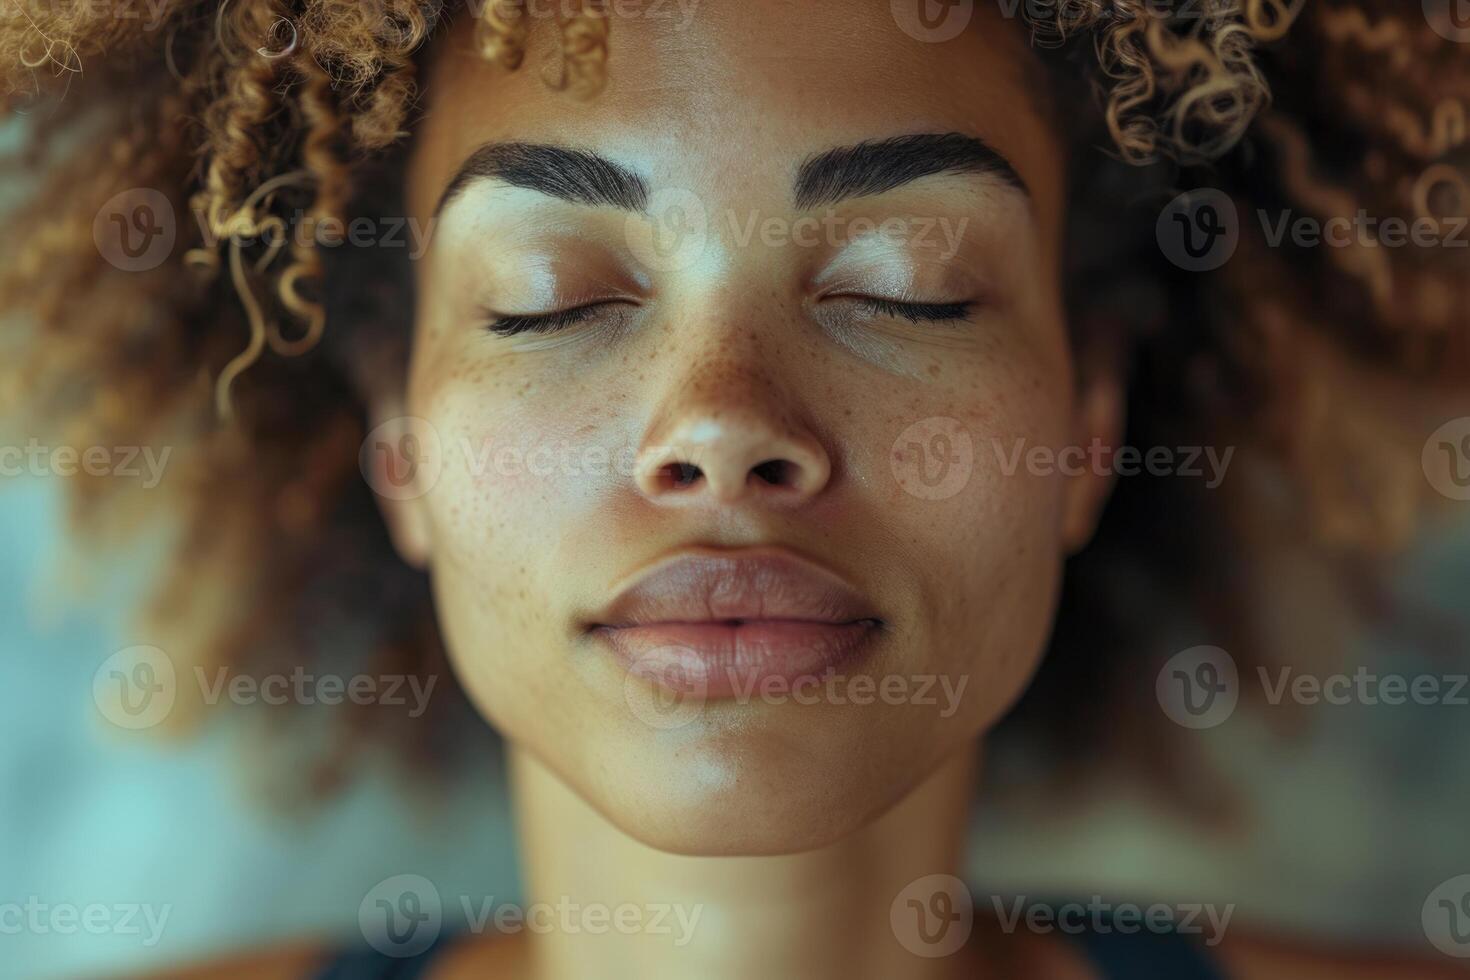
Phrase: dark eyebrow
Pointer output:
(577, 176)
(875, 166)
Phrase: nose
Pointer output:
(729, 439)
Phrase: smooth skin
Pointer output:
(794, 826)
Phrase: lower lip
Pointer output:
(724, 660)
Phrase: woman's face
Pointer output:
(747, 544)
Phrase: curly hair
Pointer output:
(246, 348)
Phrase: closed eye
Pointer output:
(912, 312)
(543, 323)
(514, 324)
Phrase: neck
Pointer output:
(818, 914)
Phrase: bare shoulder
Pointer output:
(1261, 958)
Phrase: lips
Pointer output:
(719, 623)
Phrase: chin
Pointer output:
(750, 791)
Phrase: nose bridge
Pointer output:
(729, 428)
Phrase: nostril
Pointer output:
(776, 472)
(679, 476)
(706, 462)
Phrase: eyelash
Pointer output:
(914, 312)
(540, 323)
(510, 326)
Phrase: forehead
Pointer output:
(736, 93)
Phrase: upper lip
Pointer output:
(704, 586)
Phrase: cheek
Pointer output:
(983, 523)
(521, 463)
